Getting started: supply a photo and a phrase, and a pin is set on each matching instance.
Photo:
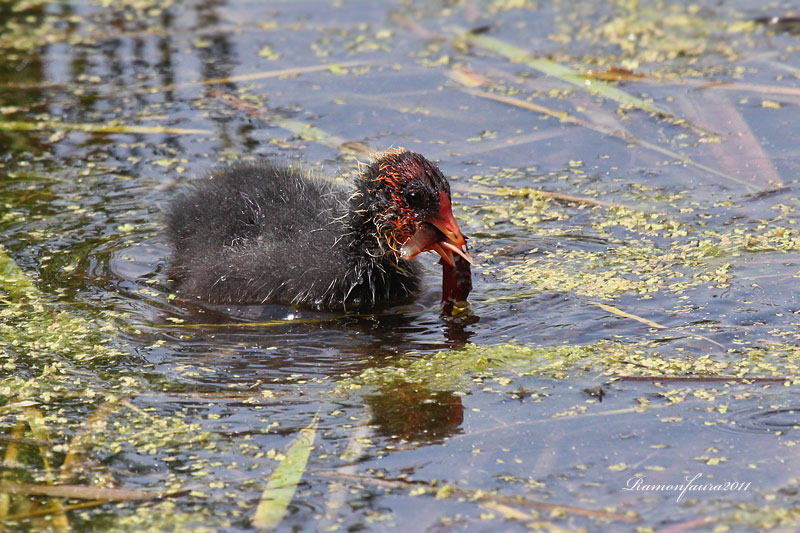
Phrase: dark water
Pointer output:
(708, 251)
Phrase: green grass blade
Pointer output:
(563, 72)
(283, 482)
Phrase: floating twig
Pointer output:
(689, 525)
(704, 379)
(303, 130)
(416, 27)
(625, 314)
(267, 324)
(481, 496)
(80, 492)
(99, 128)
(51, 510)
(21, 440)
(526, 191)
(257, 76)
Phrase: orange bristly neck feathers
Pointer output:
(393, 170)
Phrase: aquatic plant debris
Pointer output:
(448, 491)
(332, 67)
(456, 369)
(79, 491)
(647, 253)
(303, 130)
(283, 481)
(99, 128)
(619, 312)
(551, 68)
(621, 134)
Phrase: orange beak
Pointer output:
(440, 234)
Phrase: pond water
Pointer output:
(633, 322)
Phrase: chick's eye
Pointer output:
(414, 198)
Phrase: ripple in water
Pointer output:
(765, 420)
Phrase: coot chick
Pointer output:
(261, 232)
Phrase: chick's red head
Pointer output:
(413, 212)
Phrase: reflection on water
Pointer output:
(413, 414)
